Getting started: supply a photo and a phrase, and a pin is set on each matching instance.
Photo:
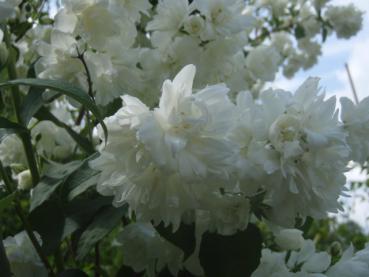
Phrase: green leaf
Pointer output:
(55, 176)
(72, 273)
(8, 127)
(6, 201)
(72, 91)
(31, 104)
(43, 191)
(102, 225)
(81, 181)
(49, 221)
(237, 255)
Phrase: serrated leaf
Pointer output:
(6, 201)
(102, 225)
(72, 91)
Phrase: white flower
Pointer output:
(346, 20)
(24, 180)
(356, 122)
(298, 141)
(311, 261)
(271, 264)
(170, 17)
(263, 62)
(23, 258)
(157, 161)
(146, 250)
(351, 264)
(224, 17)
(185, 133)
(12, 151)
(52, 141)
(129, 173)
(289, 239)
(130, 8)
(58, 59)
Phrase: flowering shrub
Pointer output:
(141, 130)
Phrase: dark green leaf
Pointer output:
(184, 237)
(102, 225)
(81, 181)
(8, 127)
(126, 271)
(72, 273)
(32, 103)
(48, 220)
(43, 191)
(6, 201)
(80, 212)
(236, 255)
(72, 91)
(55, 176)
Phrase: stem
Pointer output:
(352, 84)
(27, 226)
(81, 57)
(26, 139)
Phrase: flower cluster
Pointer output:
(132, 46)
(201, 157)
(307, 262)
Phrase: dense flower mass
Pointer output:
(202, 156)
(133, 47)
(160, 108)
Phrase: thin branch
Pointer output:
(353, 89)
(26, 139)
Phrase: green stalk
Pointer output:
(26, 138)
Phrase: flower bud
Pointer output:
(335, 249)
(289, 239)
(24, 180)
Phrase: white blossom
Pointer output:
(12, 151)
(263, 62)
(23, 258)
(346, 20)
(147, 250)
(355, 119)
